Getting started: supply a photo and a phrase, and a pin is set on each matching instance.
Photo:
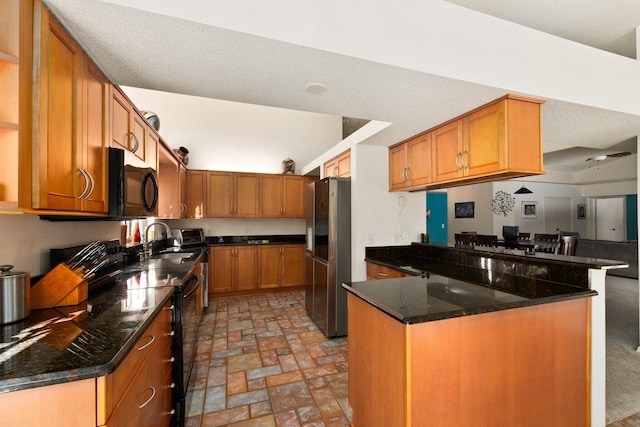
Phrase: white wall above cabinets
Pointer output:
(231, 136)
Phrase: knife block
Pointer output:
(60, 287)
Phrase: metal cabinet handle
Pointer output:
(137, 145)
(171, 307)
(153, 394)
(465, 165)
(382, 274)
(458, 161)
(93, 185)
(408, 169)
(86, 183)
(171, 360)
(153, 338)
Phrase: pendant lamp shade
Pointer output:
(523, 190)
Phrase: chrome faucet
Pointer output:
(147, 243)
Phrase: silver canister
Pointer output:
(15, 295)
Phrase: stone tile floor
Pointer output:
(262, 362)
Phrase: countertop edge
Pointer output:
(467, 312)
(64, 376)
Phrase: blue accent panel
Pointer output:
(437, 204)
(631, 203)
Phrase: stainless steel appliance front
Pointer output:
(328, 207)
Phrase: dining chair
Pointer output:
(490, 240)
(463, 239)
(568, 245)
(524, 236)
(546, 242)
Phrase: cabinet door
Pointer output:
(331, 169)
(59, 182)
(270, 266)
(271, 196)
(419, 160)
(447, 151)
(398, 178)
(196, 190)
(121, 110)
(246, 195)
(293, 273)
(138, 141)
(95, 137)
(168, 184)
(293, 196)
(220, 269)
(246, 264)
(183, 191)
(152, 144)
(220, 194)
(485, 149)
(344, 165)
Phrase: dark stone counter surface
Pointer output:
(278, 239)
(452, 282)
(90, 339)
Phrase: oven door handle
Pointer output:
(195, 278)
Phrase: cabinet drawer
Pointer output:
(147, 401)
(375, 272)
(112, 387)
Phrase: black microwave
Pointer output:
(133, 186)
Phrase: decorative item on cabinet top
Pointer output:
(183, 155)
(152, 118)
(288, 167)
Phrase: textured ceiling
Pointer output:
(601, 24)
(147, 50)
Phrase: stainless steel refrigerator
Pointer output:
(328, 208)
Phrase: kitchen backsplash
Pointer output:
(26, 239)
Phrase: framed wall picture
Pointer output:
(529, 210)
(464, 209)
(582, 211)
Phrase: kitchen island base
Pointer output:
(526, 366)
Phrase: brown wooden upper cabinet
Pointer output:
(232, 195)
(194, 194)
(282, 196)
(410, 163)
(499, 140)
(339, 166)
(69, 146)
(169, 204)
(130, 131)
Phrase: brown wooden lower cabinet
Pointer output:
(137, 393)
(255, 267)
(525, 367)
(232, 268)
(281, 266)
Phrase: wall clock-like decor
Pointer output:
(502, 203)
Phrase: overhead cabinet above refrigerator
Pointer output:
(328, 208)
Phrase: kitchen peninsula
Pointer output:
(478, 337)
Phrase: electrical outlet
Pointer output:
(402, 201)
(405, 236)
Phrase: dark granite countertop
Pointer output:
(278, 239)
(41, 349)
(432, 297)
(452, 282)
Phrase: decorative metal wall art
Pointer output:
(502, 203)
